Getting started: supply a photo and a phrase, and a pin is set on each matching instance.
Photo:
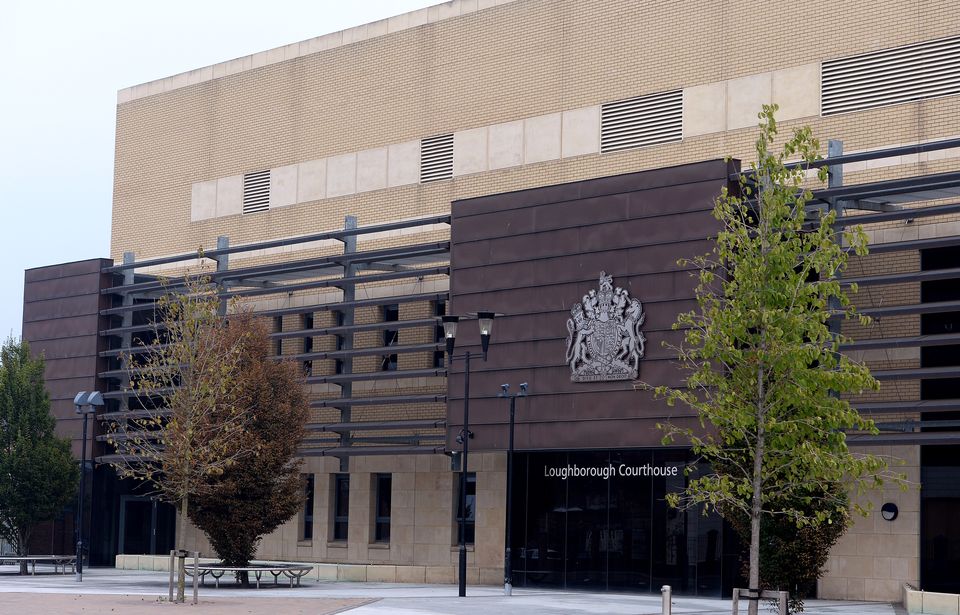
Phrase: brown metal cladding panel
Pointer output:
(62, 324)
(64, 348)
(59, 328)
(588, 236)
(532, 255)
(77, 305)
(555, 379)
(64, 270)
(58, 288)
(74, 367)
(652, 287)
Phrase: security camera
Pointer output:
(523, 387)
(505, 388)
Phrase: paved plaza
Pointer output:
(106, 590)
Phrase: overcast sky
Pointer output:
(61, 64)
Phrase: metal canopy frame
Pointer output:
(904, 199)
(354, 273)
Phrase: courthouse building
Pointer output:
(548, 160)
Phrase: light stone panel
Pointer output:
(505, 145)
(580, 132)
(470, 151)
(541, 138)
(704, 109)
(403, 163)
(341, 175)
(311, 180)
(745, 97)
(203, 200)
(797, 91)
(372, 169)
(283, 186)
(230, 195)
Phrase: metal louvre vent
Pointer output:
(890, 76)
(256, 191)
(436, 158)
(641, 121)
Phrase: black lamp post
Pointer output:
(485, 320)
(507, 555)
(85, 404)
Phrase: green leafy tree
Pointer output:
(792, 557)
(38, 475)
(764, 371)
(261, 490)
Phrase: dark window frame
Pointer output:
(470, 531)
(382, 507)
(340, 511)
(309, 492)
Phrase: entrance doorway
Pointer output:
(144, 526)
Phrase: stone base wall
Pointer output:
(373, 573)
(875, 558)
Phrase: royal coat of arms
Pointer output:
(605, 341)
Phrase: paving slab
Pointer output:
(132, 589)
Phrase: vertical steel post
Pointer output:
(508, 557)
(196, 574)
(83, 483)
(350, 270)
(666, 593)
(223, 263)
(463, 476)
(172, 566)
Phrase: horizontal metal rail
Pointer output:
(348, 402)
(929, 373)
(360, 352)
(901, 214)
(903, 439)
(338, 282)
(924, 405)
(280, 243)
(900, 150)
(379, 425)
(354, 451)
(385, 300)
(372, 326)
(386, 375)
(945, 339)
(900, 278)
(308, 267)
(304, 309)
(915, 244)
(933, 307)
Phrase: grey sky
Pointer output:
(61, 64)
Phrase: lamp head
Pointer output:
(450, 331)
(485, 320)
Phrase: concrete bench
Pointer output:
(293, 572)
(58, 561)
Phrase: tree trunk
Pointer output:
(181, 547)
(23, 536)
(755, 511)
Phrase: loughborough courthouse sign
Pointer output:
(604, 340)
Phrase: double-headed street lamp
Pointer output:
(485, 320)
(507, 556)
(85, 404)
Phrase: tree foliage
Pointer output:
(38, 475)
(764, 371)
(190, 407)
(262, 490)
